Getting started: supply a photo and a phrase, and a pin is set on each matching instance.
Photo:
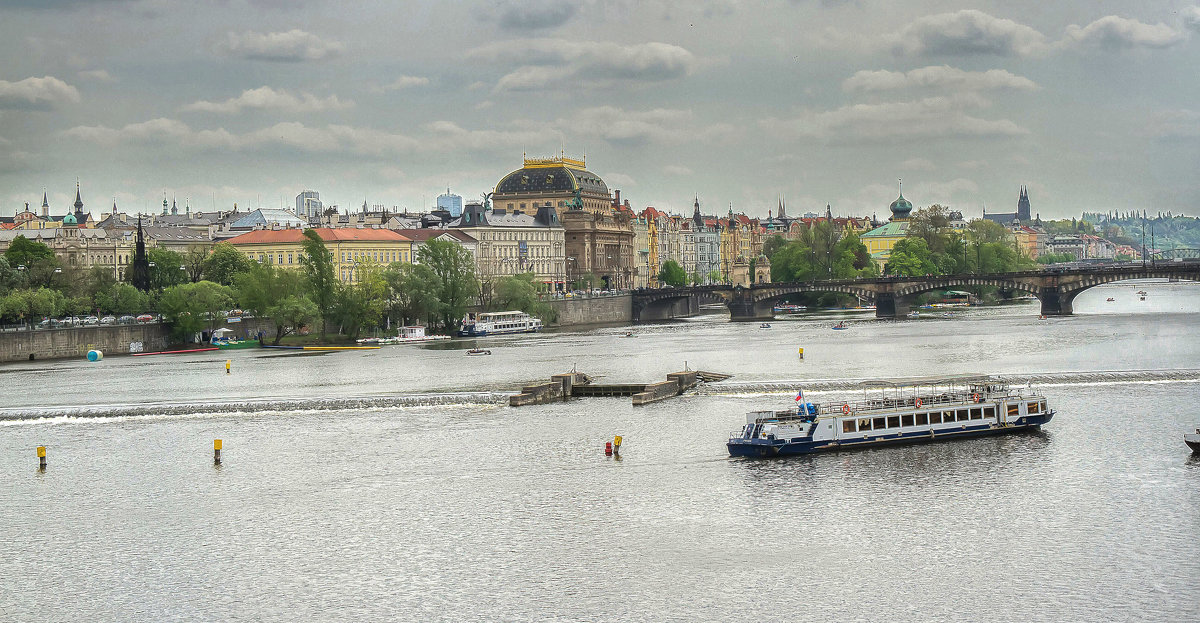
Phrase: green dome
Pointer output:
(70, 220)
(900, 207)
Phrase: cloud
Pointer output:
(546, 63)
(633, 127)
(1113, 33)
(1180, 123)
(293, 46)
(405, 82)
(677, 169)
(98, 75)
(45, 93)
(967, 32)
(266, 98)
(929, 118)
(526, 15)
(918, 164)
(937, 77)
(1191, 18)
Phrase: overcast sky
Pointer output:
(1095, 105)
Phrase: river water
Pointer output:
(397, 485)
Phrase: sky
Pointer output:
(1093, 105)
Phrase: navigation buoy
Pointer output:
(94, 355)
(616, 446)
(801, 352)
(217, 452)
(608, 451)
(228, 364)
(41, 455)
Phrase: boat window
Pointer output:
(864, 424)
(893, 421)
(923, 419)
(878, 424)
(848, 426)
(963, 415)
(976, 413)
(935, 417)
(989, 412)
(906, 420)
(1013, 410)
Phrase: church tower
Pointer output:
(1023, 205)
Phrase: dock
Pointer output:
(563, 387)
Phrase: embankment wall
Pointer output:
(76, 342)
(594, 310)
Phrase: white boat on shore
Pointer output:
(499, 323)
(406, 335)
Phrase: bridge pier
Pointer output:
(1056, 302)
(888, 305)
(666, 309)
(746, 310)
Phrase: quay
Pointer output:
(562, 387)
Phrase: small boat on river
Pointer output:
(894, 412)
(841, 326)
(765, 325)
(1193, 441)
(479, 351)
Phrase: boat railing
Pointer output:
(955, 398)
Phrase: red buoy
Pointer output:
(608, 448)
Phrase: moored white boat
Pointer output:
(891, 412)
(499, 323)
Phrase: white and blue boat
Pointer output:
(499, 323)
(894, 412)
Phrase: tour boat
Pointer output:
(1193, 441)
(893, 412)
(788, 308)
(499, 323)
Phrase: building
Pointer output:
(1007, 219)
(1030, 241)
(513, 242)
(309, 206)
(450, 203)
(598, 238)
(1071, 245)
(421, 236)
(708, 244)
(350, 248)
(78, 247)
(879, 241)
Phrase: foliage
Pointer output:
(289, 314)
(25, 251)
(263, 285)
(586, 281)
(95, 280)
(225, 264)
(193, 264)
(714, 276)
(191, 307)
(773, 243)
(361, 303)
(413, 292)
(822, 253)
(910, 257)
(10, 277)
(166, 268)
(317, 265)
(520, 292)
(672, 274)
(121, 298)
(1055, 258)
(457, 284)
(32, 305)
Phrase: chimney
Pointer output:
(618, 196)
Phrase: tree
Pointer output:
(773, 243)
(714, 276)
(412, 292)
(29, 305)
(191, 307)
(457, 285)
(23, 251)
(317, 265)
(361, 304)
(166, 268)
(225, 263)
(672, 274)
(193, 263)
(910, 257)
(290, 313)
(121, 298)
(930, 224)
(264, 285)
(10, 277)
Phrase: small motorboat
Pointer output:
(841, 326)
(1193, 441)
(1141, 293)
(765, 325)
(1143, 297)
(914, 314)
(479, 351)
(1111, 299)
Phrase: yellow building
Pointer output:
(879, 241)
(350, 248)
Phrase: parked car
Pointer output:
(66, 322)
(234, 313)
(46, 323)
(126, 320)
(145, 318)
(108, 320)
(91, 321)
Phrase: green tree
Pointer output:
(457, 284)
(191, 307)
(225, 263)
(290, 313)
(193, 263)
(412, 292)
(931, 224)
(773, 243)
(32, 305)
(910, 257)
(714, 276)
(23, 251)
(672, 274)
(362, 303)
(264, 285)
(121, 298)
(317, 265)
(10, 277)
(166, 268)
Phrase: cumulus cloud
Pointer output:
(1114, 33)
(97, 75)
(967, 32)
(522, 15)
(932, 117)
(266, 98)
(677, 169)
(546, 63)
(293, 46)
(405, 82)
(1191, 18)
(638, 127)
(918, 164)
(937, 77)
(45, 93)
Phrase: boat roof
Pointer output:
(913, 381)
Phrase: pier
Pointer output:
(562, 387)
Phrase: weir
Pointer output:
(578, 385)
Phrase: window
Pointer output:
(935, 418)
(289, 258)
(906, 420)
(893, 421)
(963, 415)
(922, 419)
(848, 426)
(989, 412)
(976, 413)
(864, 424)
(1013, 410)
(878, 424)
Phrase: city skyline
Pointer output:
(1087, 104)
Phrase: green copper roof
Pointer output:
(895, 229)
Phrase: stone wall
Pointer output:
(76, 342)
(594, 310)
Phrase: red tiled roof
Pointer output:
(340, 234)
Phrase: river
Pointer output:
(398, 485)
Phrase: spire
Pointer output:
(164, 202)
(114, 206)
(901, 181)
(45, 204)
(174, 207)
(782, 211)
(78, 200)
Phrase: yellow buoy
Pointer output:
(801, 352)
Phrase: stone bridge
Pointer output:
(1056, 288)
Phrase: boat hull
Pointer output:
(1193, 442)
(763, 448)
